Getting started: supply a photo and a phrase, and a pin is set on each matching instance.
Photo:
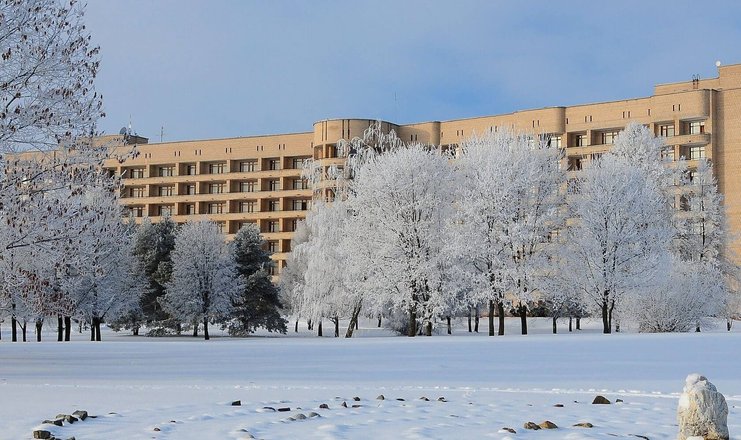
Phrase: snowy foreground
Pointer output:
(182, 388)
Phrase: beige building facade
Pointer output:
(258, 179)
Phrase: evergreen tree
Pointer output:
(153, 245)
(258, 304)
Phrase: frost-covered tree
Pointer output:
(258, 304)
(618, 240)
(508, 199)
(324, 289)
(401, 202)
(688, 297)
(107, 283)
(292, 279)
(204, 282)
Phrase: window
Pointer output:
(166, 171)
(697, 152)
(291, 225)
(666, 130)
(608, 137)
(221, 226)
(273, 205)
(136, 211)
(297, 163)
(247, 206)
(136, 192)
(215, 188)
(554, 141)
(273, 226)
(216, 168)
(190, 169)
(189, 209)
(273, 164)
(574, 163)
(580, 140)
(667, 153)
(299, 184)
(137, 173)
(248, 186)
(215, 208)
(274, 185)
(300, 205)
(164, 191)
(273, 246)
(247, 166)
(696, 127)
(189, 189)
(164, 210)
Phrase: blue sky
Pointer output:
(224, 68)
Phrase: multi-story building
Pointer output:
(258, 179)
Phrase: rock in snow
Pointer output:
(702, 410)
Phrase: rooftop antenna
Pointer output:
(717, 65)
(162, 132)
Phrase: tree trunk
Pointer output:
(470, 325)
(135, 330)
(476, 319)
(609, 314)
(379, 321)
(93, 328)
(310, 325)
(336, 322)
(178, 328)
(523, 317)
(555, 328)
(697, 328)
(729, 324)
(571, 319)
(13, 328)
(617, 326)
(353, 321)
(578, 323)
(319, 329)
(60, 328)
(205, 329)
(24, 327)
(428, 328)
(97, 330)
(195, 329)
(295, 328)
(39, 325)
(500, 312)
(357, 324)
(606, 328)
(491, 318)
(412, 327)
(67, 328)
(450, 327)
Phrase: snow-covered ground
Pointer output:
(182, 388)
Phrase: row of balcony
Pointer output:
(245, 166)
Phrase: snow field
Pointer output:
(184, 387)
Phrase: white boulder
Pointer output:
(702, 412)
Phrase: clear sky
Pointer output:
(225, 68)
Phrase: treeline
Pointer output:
(418, 235)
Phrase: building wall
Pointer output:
(700, 118)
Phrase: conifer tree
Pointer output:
(258, 303)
